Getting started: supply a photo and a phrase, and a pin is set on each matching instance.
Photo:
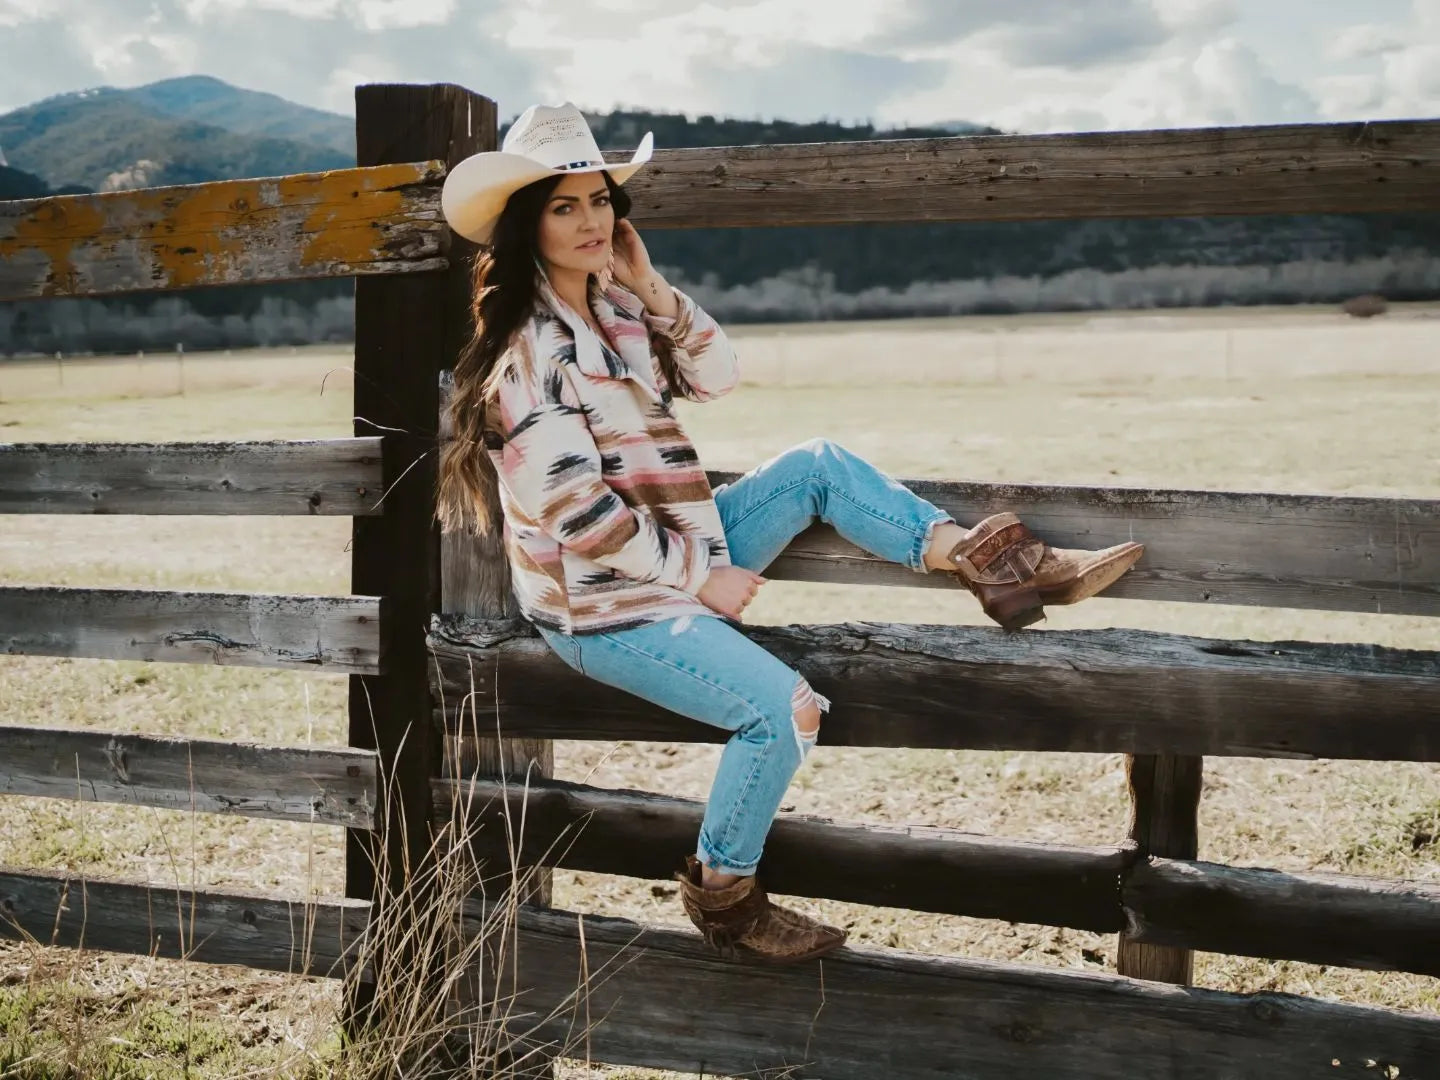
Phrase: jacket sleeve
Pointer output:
(551, 468)
(702, 351)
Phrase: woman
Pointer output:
(634, 572)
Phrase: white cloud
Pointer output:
(1367, 39)
(1197, 16)
(1220, 82)
(1395, 69)
(1343, 96)
(310, 51)
(15, 12)
(1077, 37)
(1038, 65)
(398, 14)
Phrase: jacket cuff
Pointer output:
(698, 567)
(678, 328)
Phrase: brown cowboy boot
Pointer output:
(740, 918)
(1015, 574)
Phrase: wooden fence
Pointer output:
(431, 627)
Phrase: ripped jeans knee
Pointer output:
(806, 707)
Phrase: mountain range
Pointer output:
(179, 131)
(196, 128)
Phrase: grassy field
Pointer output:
(1163, 406)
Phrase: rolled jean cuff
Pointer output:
(922, 541)
(721, 865)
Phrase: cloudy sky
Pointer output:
(1024, 65)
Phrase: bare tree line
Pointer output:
(793, 295)
(808, 293)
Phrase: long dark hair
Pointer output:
(502, 298)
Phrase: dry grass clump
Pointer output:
(428, 991)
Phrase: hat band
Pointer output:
(578, 165)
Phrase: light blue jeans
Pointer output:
(708, 670)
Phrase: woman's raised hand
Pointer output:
(632, 260)
(729, 590)
(630, 264)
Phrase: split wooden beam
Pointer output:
(610, 990)
(347, 222)
(1326, 552)
(268, 932)
(1360, 167)
(299, 476)
(302, 633)
(961, 687)
(1160, 903)
(317, 784)
(386, 220)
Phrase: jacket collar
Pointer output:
(618, 313)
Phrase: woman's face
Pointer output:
(577, 223)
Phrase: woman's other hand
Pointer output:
(729, 590)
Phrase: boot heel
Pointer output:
(1016, 609)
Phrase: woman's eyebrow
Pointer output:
(576, 198)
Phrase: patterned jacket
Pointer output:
(610, 522)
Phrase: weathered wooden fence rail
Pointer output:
(385, 219)
(1318, 918)
(663, 1000)
(315, 225)
(453, 702)
(272, 933)
(312, 477)
(339, 633)
(963, 687)
(1325, 552)
(324, 785)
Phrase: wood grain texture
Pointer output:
(407, 330)
(646, 835)
(1281, 169)
(305, 633)
(660, 998)
(328, 785)
(1164, 794)
(308, 225)
(475, 581)
(960, 687)
(1161, 903)
(258, 931)
(1334, 553)
(303, 476)
(1319, 918)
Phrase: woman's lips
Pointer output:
(591, 245)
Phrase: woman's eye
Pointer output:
(603, 200)
(562, 208)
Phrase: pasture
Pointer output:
(1279, 400)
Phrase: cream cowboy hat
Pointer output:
(543, 141)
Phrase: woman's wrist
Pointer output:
(657, 295)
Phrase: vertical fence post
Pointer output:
(475, 581)
(407, 327)
(1164, 805)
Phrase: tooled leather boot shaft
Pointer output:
(740, 919)
(998, 551)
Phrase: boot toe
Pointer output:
(1095, 571)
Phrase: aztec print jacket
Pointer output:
(610, 522)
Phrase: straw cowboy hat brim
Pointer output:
(542, 142)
